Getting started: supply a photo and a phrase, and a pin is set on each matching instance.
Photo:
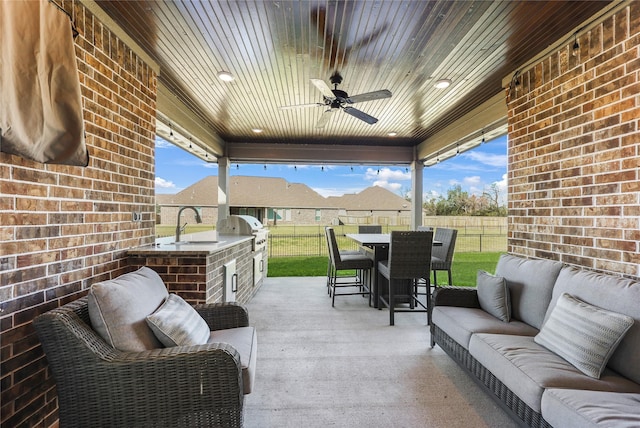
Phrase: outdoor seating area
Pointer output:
(100, 95)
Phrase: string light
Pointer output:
(576, 46)
(265, 167)
(457, 149)
(483, 140)
(170, 131)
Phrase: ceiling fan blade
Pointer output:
(369, 96)
(360, 115)
(324, 118)
(323, 87)
(301, 106)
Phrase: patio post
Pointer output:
(223, 188)
(417, 168)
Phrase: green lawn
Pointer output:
(465, 267)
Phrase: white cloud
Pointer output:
(496, 160)
(163, 144)
(472, 181)
(161, 183)
(386, 174)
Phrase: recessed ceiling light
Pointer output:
(225, 76)
(442, 83)
(392, 134)
(257, 130)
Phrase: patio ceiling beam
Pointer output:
(319, 153)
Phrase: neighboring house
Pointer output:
(374, 205)
(276, 201)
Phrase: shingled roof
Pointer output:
(247, 191)
(373, 198)
(274, 192)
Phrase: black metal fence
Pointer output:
(315, 244)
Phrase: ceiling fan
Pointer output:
(336, 99)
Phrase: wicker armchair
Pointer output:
(99, 386)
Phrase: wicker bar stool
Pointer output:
(409, 262)
(442, 256)
(340, 262)
(330, 264)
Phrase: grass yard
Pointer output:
(465, 267)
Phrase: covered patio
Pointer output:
(320, 366)
(560, 77)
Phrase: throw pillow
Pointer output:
(584, 335)
(176, 323)
(493, 295)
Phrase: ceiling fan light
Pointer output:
(225, 76)
(442, 84)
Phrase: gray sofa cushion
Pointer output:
(118, 309)
(611, 293)
(461, 323)
(245, 341)
(570, 408)
(530, 285)
(527, 368)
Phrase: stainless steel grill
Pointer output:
(244, 225)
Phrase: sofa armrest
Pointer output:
(464, 297)
(219, 316)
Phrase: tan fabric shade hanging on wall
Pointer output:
(41, 106)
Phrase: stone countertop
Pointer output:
(190, 244)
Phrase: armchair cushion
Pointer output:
(244, 340)
(176, 323)
(118, 309)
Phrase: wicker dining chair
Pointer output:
(340, 261)
(442, 256)
(183, 386)
(409, 262)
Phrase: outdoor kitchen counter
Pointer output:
(195, 267)
(190, 243)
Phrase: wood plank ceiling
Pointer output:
(274, 48)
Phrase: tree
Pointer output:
(459, 202)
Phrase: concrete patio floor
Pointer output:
(345, 366)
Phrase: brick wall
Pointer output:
(574, 151)
(63, 228)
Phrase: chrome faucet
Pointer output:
(181, 229)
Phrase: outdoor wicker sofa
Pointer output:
(180, 386)
(531, 381)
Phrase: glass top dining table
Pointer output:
(376, 246)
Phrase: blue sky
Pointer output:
(474, 170)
